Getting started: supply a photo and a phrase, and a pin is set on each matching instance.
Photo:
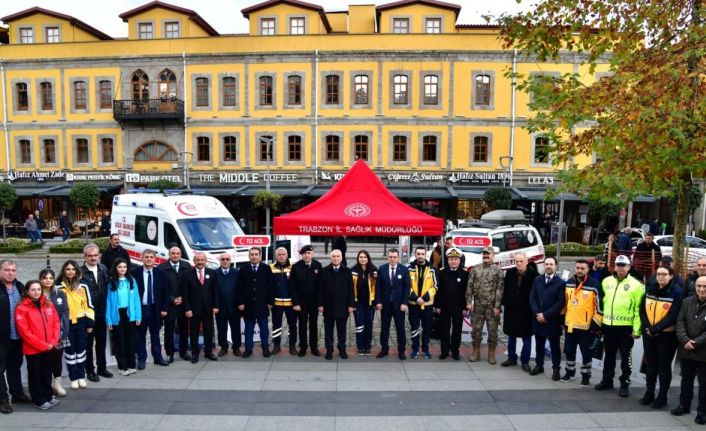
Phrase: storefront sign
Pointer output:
(414, 177)
(540, 180)
(141, 178)
(479, 177)
(248, 178)
(93, 177)
(38, 176)
(332, 176)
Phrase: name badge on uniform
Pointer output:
(626, 287)
(208, 276)
(458, 280)
(316, 271)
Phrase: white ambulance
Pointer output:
(160, 220)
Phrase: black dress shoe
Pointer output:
(556, 375)
(276, 350)
(343, 354)
(21, 399)
(647, 399)
(315, 352)
(329, 355)
(161, 362)
(5, 407)
(93, 377)
(603, 386)
(185, 356)
(105, 373)
(222, 352)
(141, 366)
(292, 350)
(301, 353)
(402, 356)
(679, 410)
(536, 371)
(236, 351)
(623, 392)
(382, 354)
(526, 368)
(700, 419)
(443, 356)
(211, 356)
(659, 403)
(194, 359)
(266, 353)
(247, 354)
(170, 359)
(456, 356)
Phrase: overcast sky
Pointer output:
(224, 15)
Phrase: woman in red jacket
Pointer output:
(38, 326)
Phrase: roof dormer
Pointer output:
(158, 20)
(417, 16)
(286, 17)
(38, 25)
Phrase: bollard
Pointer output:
(48, 262)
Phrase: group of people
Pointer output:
(71, 313)
(34, 224)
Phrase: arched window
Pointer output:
(155, 151)
(167, 84)
(140, 85)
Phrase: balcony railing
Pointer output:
(149, 109)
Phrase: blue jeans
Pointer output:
(250, 331)
(65, 233)
(75, 354)
(526, 349)
(364, 315)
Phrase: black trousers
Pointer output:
(176, 322)
(223, 321)
(659, 353)
(98, 339)
(691, 369)
(10, 364)
(39, 376)
(201, 317)
(56, 363)
(124, 334)
(341, 323)
(454, 319)
(387, 314)
(617, 338)
(309, 318)
(277, 312)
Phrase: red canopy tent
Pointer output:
(359, 205)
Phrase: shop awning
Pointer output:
(359, 204)
(65, 190)
(34, 190)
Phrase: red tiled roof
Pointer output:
(191, 13)
(269, 3)
(75, 21)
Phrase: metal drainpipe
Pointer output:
(513, 104)
(316, 117)
(4, 116)
(186, 105)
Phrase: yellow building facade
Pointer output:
(423, 99)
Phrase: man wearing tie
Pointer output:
(255, 298)
(153, 286)
(547, 299)
(392, 292)
(199, 293)
(228, 314)
(175, 268)
(305, 295)
(336, 302)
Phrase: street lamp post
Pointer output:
(505, 163)
(269, 156)
(186, 162)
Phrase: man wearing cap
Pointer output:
(424, 285)
(484, 295)
(305, 284)
(436, 260)
(622, 295)
(450, 302)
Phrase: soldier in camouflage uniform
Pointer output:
(483, 297)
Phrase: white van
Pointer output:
(160, 220)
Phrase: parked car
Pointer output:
(697, 246)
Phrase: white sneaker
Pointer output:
(58, 389)
(82, 383)
(131, 371)
(124, 372)
(54, 402)
(74, 384)
(45, 406)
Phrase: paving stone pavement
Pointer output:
(361, 393)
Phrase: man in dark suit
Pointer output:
(305, 295)
(228, 314)
(114, 251)
(392, 292)
(336, 302)
(199, 293)
(547, 299)
(153, 286)
(10, 342)
(255, 298)
(95, 276)
(175, 268)
(450, 302)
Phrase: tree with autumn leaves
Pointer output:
(643, 118)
